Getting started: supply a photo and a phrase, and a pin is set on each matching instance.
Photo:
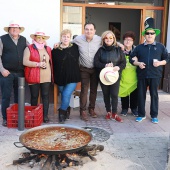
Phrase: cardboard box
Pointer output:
(74, 101)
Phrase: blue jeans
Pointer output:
(66, 92)
(7, 84)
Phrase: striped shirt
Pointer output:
(87, 49)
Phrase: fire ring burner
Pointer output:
(99, 135)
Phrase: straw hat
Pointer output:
(14, 24)
(108, 76)
(150, 25)
(40, 32)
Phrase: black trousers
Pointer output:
(44, 89)
(110, 94)
(130, 101)
(153, 84)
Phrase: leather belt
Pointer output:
(86, 67)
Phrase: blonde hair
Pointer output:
(65, 31)
(104, 35)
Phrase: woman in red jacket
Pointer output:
(38, 70)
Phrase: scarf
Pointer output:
(108, 48)
(39, 46)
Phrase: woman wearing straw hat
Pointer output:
(109, 62)
(66, 71)
(38, 70)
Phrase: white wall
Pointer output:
(168, 32)
(32, 14)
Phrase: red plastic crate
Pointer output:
(33, 116)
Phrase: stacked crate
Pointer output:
(33, 116)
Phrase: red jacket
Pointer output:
(32, 74)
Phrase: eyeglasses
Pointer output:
(128, 40)
(108, 38)
(40, 37)
(151, 33)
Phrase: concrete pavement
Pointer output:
(131, 146)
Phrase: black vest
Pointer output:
(12, 55)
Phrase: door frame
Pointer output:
(143, 10)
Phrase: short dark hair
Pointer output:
(90, 23)
(130, 34)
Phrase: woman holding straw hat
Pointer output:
(109, 62)
(38, 70)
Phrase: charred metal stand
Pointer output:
(21, 103)
(60, 161)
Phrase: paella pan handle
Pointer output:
(16, 144)
(88, 129)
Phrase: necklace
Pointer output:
(63, 46)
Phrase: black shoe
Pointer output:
(134, 112)
(124, 112)
(62, 116)
(46, 119)
(4, 123)
(68, 113)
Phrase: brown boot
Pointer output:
(92, 113)
(83, 115)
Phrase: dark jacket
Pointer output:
(107, 55)
(146, 53)
(12, 55)
(66, 65)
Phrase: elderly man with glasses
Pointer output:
(150, 58)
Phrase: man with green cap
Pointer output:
(150, 58)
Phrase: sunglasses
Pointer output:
(40, 37)
(108, 38)
(151, 33)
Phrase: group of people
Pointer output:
(149, 58)
(121, 69)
